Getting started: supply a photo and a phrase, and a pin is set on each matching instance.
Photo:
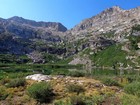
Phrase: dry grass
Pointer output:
(18, 95)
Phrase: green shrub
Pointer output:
(110, 82)
(75, 88)
(62, 102)
(133, 88)
(98, 99)
(3, 93)
(73, 100)
(131, 79)
(128, 99)
(136, 27)
(77, 100)
(42, 92)
(17, 82)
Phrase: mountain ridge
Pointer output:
(111, 26)
(110, 19)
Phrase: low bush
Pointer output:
(128, 99)
(3, 93)
(62, 102)
(98, 99)
(75, 88)
(110, 82)
(73, 100)
(42, 92)
(17, 82)
(77, 100)
(132, 78)
(133, 88)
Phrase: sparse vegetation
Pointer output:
(75, 88)
(110, 56)
(42, 92)
(77, 100)
(128, 99)
(3, 93)
(134, 40)
(16, 82)
(133, 88)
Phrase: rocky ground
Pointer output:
(96, 91)
(92, 88)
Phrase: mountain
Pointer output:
(112, 20)
(18, 34)
(30, 29)
(109, 38)
(113, 26)
(55, 26)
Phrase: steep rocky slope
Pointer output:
(20, 36)
(112, 26)
(31, 29)
(112, 20)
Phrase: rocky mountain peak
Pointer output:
(115, 8)
(112, 10)
(54, 25)
(113, 19)
(16, 18)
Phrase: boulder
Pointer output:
(39, 77)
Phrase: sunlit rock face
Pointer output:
(22, 36)
(113, 19)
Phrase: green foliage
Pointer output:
(131, 78)
(3, 93)
(51, 58)
(110, 56)
(98, 99)
(128, 99)
(101, 72)
(23, 59)
(7, 58)
(75, 88)
(62, 102)
(42, 92)
(136, 27)
(77, 100)
(81, 100)
(110, 82)
(134, 40)
(17, 82)
(133, 88)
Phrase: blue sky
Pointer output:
(68, 12)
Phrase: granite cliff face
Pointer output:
(115, 20)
